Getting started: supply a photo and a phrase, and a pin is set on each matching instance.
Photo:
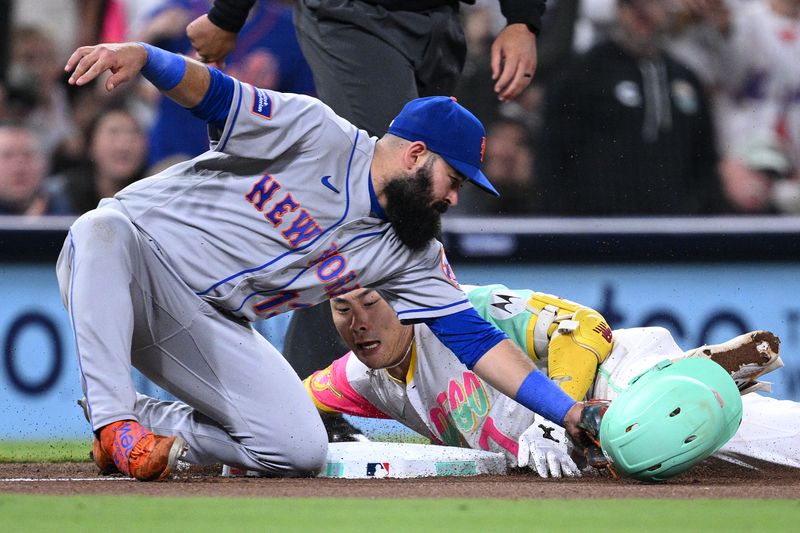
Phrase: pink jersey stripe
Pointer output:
(331, 391)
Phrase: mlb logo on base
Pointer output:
(377, 470)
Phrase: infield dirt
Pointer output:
(711, 479)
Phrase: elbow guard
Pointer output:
(574, 339)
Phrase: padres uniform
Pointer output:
(278, 215)
(445, 402)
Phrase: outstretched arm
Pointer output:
(509, 370)
(183, 80)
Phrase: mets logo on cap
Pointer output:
(449, 130)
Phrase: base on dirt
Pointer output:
(366, 460)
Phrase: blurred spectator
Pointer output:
(111, 21)
(35, 77)
(594, 22)
(58, 19)
(22, 171)
(267, 55)
(759, 105)
(475, 88)
(509, 161)
(758, 177)
(555, 46)
(5, 27)
(117, 156)
(627, 129)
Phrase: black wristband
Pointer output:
(230, 15)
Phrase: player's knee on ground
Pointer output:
(301, 453)
(577, 340)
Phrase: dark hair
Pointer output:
(115, 106)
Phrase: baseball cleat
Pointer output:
(103, 461)
(137, 452)
(745, 357)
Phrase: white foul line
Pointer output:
(33, 479)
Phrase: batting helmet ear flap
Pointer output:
(670, 418)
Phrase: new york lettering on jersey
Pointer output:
(330, 268)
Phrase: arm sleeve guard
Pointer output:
(216, 104)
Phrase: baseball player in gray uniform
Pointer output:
(292, 205)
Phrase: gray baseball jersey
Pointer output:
(164, 277)
(278, 215)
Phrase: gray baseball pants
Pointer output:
(240, 403)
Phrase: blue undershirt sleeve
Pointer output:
(216, 104)
(466, 334)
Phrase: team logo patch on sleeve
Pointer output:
(262, 104)
(447, 270)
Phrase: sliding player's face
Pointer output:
(370, 328)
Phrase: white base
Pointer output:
(367, 460)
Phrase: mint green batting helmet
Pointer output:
(670, 418)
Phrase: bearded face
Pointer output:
(412, 211)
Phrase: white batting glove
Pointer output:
(543, 447)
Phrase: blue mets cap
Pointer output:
(448, 129)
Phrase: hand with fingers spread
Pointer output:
(543, 447)
(513, 61)
(124, 60)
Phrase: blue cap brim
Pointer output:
(473, 174)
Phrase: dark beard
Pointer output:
(415, 217)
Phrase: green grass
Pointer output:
(55, 451)
(105, 513)
(153, 514)
(76, 451)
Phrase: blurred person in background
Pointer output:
(22, 172)
(509, 157)
(475, 88)
(626, 129)
(745, 52)
(116, 157)
(267, 55)
(36, 75)
(759, 106)
(5, 26)
(370, 57)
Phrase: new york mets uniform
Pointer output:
(278, 215)
(445, 402)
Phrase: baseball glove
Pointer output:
(589, 442)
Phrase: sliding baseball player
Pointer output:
(405, 373)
